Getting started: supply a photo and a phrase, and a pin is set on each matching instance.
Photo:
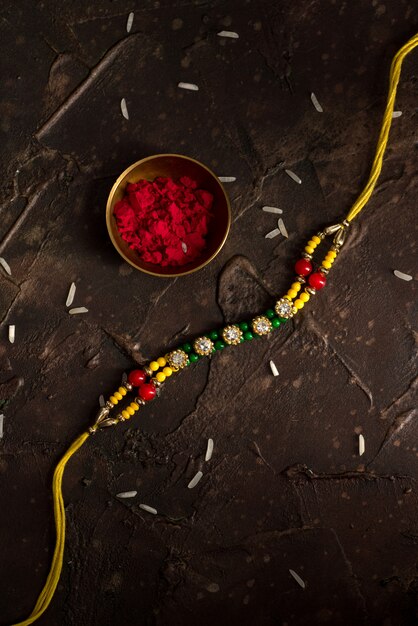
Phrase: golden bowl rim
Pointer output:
(109, 214)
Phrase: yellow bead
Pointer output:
(154, 366)
(292, 293)
(130, 410)
(295, 286)
(134, 406)
(316, 239)
(332, 253)
(312, 243)
(304, 297)
(309, 249)
(167, 371)
(161, 361)
(122, 391)
(160, 377)
(125, 414)
(118, 395)
(113, 400)
(326, 264)
(299, 304)
(287, 297)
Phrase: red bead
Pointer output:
(147, 391)
(137, 377)
(303, 267)
(317, 280)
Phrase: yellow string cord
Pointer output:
(48, 591)
(395, 72)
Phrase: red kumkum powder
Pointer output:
(156, 218)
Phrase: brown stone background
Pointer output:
(285, 488)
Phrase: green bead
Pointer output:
(275, 322)
(193, 357)
(242, 339)
(219, 345)
(282, 320)
(244, 326)
(270, 313)
(248, 335)
(213, 335)
(187, 347)
(188, 362)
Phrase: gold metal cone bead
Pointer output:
(261, 325)
(232, 335)
(177, 359)
(283, 308)
(203, 346)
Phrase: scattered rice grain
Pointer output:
(129, 22)
(228, 33)
(316, 103)
(297, 578)
(209, 450)
(149, 509)
(361, 445)
(272, 209)
(274, 369)
(227, 179)
(396, 114)
(272, 234)
(184, 247)
(124, 109)
(12, 333)
(71, 294)
(282, 228)
(5, 266)
(402, 276)
(195, 480)
(294, 176)
(126, 494)
(189, 86)
(78, 309)
(1, 425)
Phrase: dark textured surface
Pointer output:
(285, 488)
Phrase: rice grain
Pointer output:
(149, 509)
(272, 234)
(188, 86)
(126, 494)
(402, 276)
(77, 310)
(282, 228)
(228, 33)
(12, 333)
(294, 176)
(272, 209)
(297, 578)
(5, 266)
(209, 450)
(316, 103)
(124, 109)
(129, 22)
(71, 294)
(196, 479)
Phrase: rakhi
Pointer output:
(146, 383)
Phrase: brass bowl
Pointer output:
(172, 166)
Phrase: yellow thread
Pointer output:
(48, 591)
(395, 73)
